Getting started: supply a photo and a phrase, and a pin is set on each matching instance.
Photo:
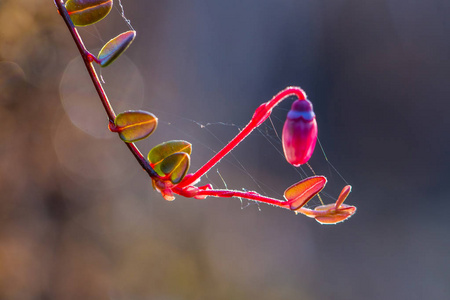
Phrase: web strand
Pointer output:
(122, 13)
(270, 134)
(326, 158)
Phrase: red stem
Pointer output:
(88, 58)
(247, 195)
(260, 115)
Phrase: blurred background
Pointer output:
(80, 220)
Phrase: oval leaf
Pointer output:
(343, 195)
(135, 125)
(87, 12)
(160, 152)
(115, 47)
(300, 193)
(176, 166)
(334, 215)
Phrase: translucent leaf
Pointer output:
(135, 125)
(176, 166)
(300, 193)
(115, 47)
(87, 12)
(160, 152)
(337, 212)
(343, 195)
(335, 215)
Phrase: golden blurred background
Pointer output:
(80, 220)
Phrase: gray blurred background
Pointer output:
(80, 220)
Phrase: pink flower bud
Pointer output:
(299, 133)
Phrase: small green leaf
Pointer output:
(176, 166)
(135, 125)
(115, 47)
(87, 12)
(164, 150)
(300, 193)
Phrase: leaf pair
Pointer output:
(87, 12)
(171, 160)
(335, 213)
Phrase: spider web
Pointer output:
(269, 131)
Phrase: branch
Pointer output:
(88, 58)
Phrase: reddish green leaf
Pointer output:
(300, 193)
(343, 195)
(135, 125)
(338, 212)
(87, 12)
(115, 47)
(334, 215)
(176, 166)
(160, 152)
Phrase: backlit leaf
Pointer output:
(135, 125)
(343, 195)
(337, 212)
(334, 215)
(176, 166)
(87, 12)
(300, 193)
(160, 152)
(115, 47)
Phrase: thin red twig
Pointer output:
(260, 115)
(247, 195)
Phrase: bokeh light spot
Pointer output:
(123, 84)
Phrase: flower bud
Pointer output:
(299, 133)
